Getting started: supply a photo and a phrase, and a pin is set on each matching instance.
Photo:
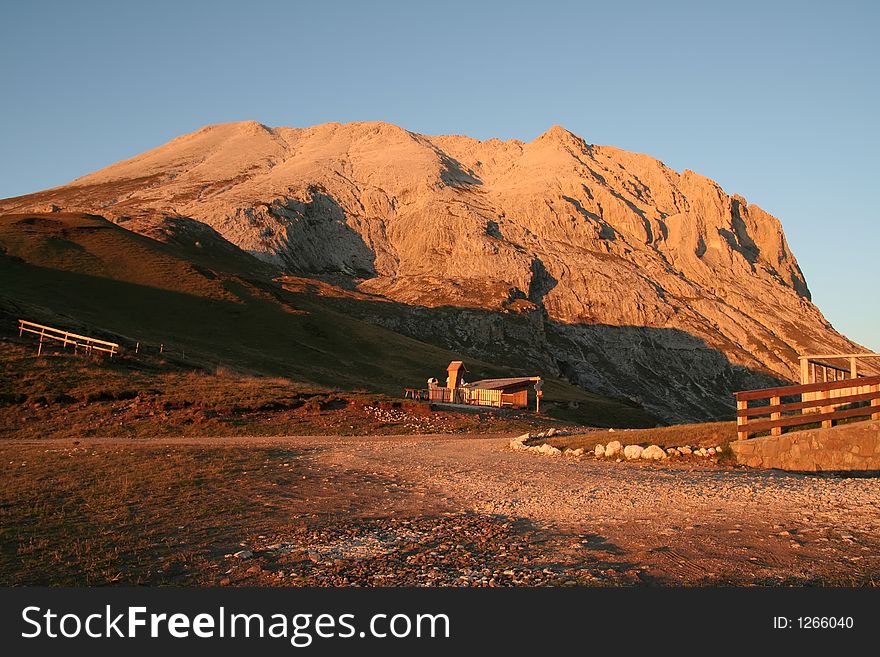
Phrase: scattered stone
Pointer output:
(653, 453)
(599, 451)
(672, 452)
(243, 554)
(711, 451)
(551, 432)
(613, 448)
(684, 451)
(632, 451)
(549, 450)
(578, 452)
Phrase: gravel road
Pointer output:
(467, 510)
(675, 522)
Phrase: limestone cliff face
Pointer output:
(602, 265)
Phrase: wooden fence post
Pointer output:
(775, 431)
(742, 432)
(875, 403)
(826, 395)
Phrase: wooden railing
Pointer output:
(815, 369)
(823, 399)
(67, 338)
(475, 396)
(482, 397)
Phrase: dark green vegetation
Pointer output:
(213, 308)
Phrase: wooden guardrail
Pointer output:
(818, 407)
(67, 338)
(815, 368)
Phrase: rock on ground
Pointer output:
(613, 448)
(653, 452)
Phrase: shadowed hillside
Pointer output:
(86, 273)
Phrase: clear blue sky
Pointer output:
(777, 101)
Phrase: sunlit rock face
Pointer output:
(588, 261)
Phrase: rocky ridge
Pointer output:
(604, 266)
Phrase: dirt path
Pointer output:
(446, 509)
(676, 522)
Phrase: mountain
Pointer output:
(588, 262)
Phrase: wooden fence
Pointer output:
(475, 396)
(818, 402)
(816, 369)
(67, 338)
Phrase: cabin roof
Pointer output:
(501, 384)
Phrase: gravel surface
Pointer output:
(681, 522)
(445, 510)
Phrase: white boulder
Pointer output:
(599, 451)
(613, 448)
(653, 453)
(549, 450)
(632, 451)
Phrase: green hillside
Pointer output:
(85, 273)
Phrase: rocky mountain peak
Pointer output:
(589, 261)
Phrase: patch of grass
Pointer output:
(708, 434)
(67, 396)
(146, 515)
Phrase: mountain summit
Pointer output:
(601, 265)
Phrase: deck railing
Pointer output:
(475, 396)
(67, 338)
(824, 398)
(816, 369)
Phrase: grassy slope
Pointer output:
(86, 273)
(708, 434)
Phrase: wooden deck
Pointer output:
(473, 397)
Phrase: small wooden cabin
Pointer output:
(510, 392)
